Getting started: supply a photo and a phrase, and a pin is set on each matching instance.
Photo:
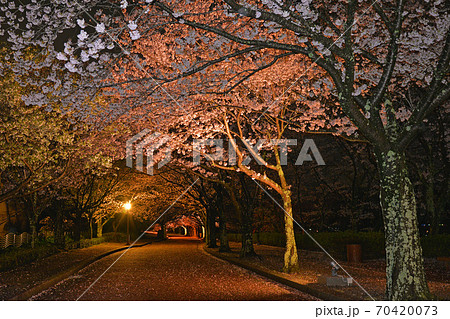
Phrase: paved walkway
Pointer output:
(177, 269)
(18, 280)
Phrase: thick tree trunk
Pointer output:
(59, 228)
(211, 229)
(223, 237)
(34, 230)
(34, 220)
(99, 228)
(290, 256)
(162, 232)
(405, 276)
(77, 230)
(91, 228)
(246, 221)
(247, 249)
(224, 245)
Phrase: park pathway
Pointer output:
(176, 269)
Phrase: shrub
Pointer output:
(17, 256)
(14, 257)
(114, 237)
(436, 245)
(272, 239)
(84, 243)
(372, 243)
(107, 237)
(234, 237)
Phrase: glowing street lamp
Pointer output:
(127, 207)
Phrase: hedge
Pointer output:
(436, 245)
(13, 257)
(372, 243)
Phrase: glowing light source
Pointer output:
(127, 206)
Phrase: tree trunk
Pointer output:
(290, 256)
(405, 276)
(8, 213)
(211, 229)
(59, 228)
(224, 245)
(34, 230)
(115, 226)
(99, 228)
(247, 249)
(163, 228)
(77, 231)
(91, 227)
(162, 232)
(34, 220)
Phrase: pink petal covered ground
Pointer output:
(177, 269)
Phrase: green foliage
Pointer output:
(372, 243)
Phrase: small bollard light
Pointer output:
(335, 279)
(334, 269)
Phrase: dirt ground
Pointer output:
(370, 274)
(18, 280)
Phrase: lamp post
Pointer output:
(127, 207)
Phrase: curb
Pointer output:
(273, 275)
(65, 274)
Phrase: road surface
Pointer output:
(176, 269)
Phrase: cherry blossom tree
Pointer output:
(369, 52)
(184, 222)
(365, 76)
(35, 144)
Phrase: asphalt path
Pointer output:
(176, 269)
